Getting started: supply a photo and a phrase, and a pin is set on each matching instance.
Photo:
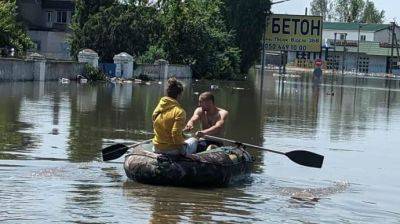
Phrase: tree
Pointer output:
(323, 8)
(349, 11)
(118, 28)
(358, 11)
(195, 34)
(12, 33)
(83, 10)
(247, 21)
(372, 14)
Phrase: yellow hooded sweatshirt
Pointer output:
(168, 122)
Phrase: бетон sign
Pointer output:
(294, 33)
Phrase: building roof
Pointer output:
(65, 5)
(354, 26)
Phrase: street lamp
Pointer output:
(263, 41)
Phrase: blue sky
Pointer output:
(391, 8)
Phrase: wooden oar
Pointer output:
(117, 150)
(301, 157)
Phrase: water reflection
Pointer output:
(191, 205)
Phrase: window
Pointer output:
(61, 17)
(49, 17)
(363, 64)
(363, 38)
(343, 36)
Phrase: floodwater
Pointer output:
(52, 135)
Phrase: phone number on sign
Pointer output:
(286, 47)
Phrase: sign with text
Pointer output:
(294, 33)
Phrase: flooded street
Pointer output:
(52, 135)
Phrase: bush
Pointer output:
(94, 74)
(151, 55)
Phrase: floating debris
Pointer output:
(64, 80)
(54, 131)
(286, 75)
(214, 87)
(238, 88)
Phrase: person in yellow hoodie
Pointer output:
(169, 121)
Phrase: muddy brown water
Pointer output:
(52, 134)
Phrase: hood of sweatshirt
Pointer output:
(165, 104)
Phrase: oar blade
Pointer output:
(114, 151)
(306, 158)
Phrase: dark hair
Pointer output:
(207, 96)
(175, 88)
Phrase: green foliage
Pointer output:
(94, 74)
(218, 39)
(12, 33)
(348, 11)
(371, 14)
(118, 28)
(150, 56)
(247, 20)
(324, 8)
(196, 34)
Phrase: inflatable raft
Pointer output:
(217, 167)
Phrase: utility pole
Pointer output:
(358, 48)
(344, 52)
(263, 52)
(392, 49)
(334, 53)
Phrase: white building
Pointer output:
(48, 25)
(343, 43)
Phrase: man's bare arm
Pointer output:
(193, 119)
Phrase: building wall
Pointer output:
(385, 36)
(351, 34)
(31, 11)
(377, 64)
(36, 17)
(51, 44)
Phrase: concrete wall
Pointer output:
(27, 70)
(63, 69)
(16, 70)
(153, 71)
(157, 72)
(179, 71)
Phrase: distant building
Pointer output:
(48, 25)
(340, 47)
